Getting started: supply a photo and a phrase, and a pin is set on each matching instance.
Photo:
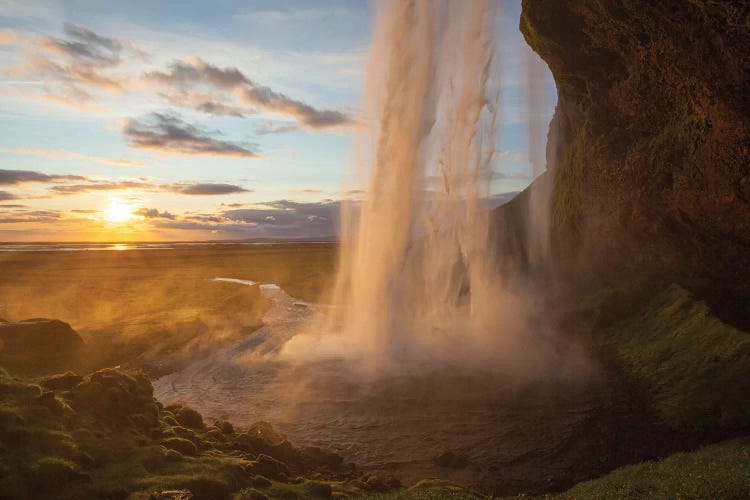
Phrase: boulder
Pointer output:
(62, 382)
(451, 460)
(39, 346)
(117, 398)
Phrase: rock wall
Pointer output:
(651, 172)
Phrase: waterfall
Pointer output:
(417, 281)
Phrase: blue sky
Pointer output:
(201, 119)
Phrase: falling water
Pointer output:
(538, 228)
(417, 275)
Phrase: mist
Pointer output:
(419, 283)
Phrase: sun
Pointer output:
(118, 212)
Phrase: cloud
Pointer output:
(85, 46)
(281, 219)
(274, 219)
(170, 134)
(313, 118)
(30, 216)
(4, 195)
(152, 213)
(182, 74)
(9, 177)
(239, 94)
(8, 37)
(200, 189)
(219, 109)
(70, 155)
(75, 65)
(275, 128)
(321, 217)
(67, 189)
(211, 189)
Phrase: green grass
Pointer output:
(696, 369)
(428, 489)
(718, 471)
(105, 436)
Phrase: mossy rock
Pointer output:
(452, 460)
(250, 494)
(266, 432)
(181, 445)
(260, 481)
(94, 452)
(62, 382)
(53, 473)
(39, 346)
(695, 367)
(315, 457)
(118, 398)
(225, 427)
(187, 417)
(302, 490)
(269, 467)
(169, 421)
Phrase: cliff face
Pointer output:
(651, 168)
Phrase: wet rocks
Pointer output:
(451, 460)
(62, 382)
(269, 467)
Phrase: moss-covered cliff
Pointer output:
(652, 164)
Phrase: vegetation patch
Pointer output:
(718, 471)
(695, 367)
(107, 437)
(569, 181)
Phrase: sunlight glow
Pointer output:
(118, 212)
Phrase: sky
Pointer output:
(148, 121)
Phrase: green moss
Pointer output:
(428, 489)
(569, 181)
(51, 473)
(101, 451)
(303, 489)
(189, 418)
(717, 471)
(696, 368)
(250, 494)
(224, 426)
(182, 445)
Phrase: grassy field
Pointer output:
(693, 367)
(717, 471)
(136, 304)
